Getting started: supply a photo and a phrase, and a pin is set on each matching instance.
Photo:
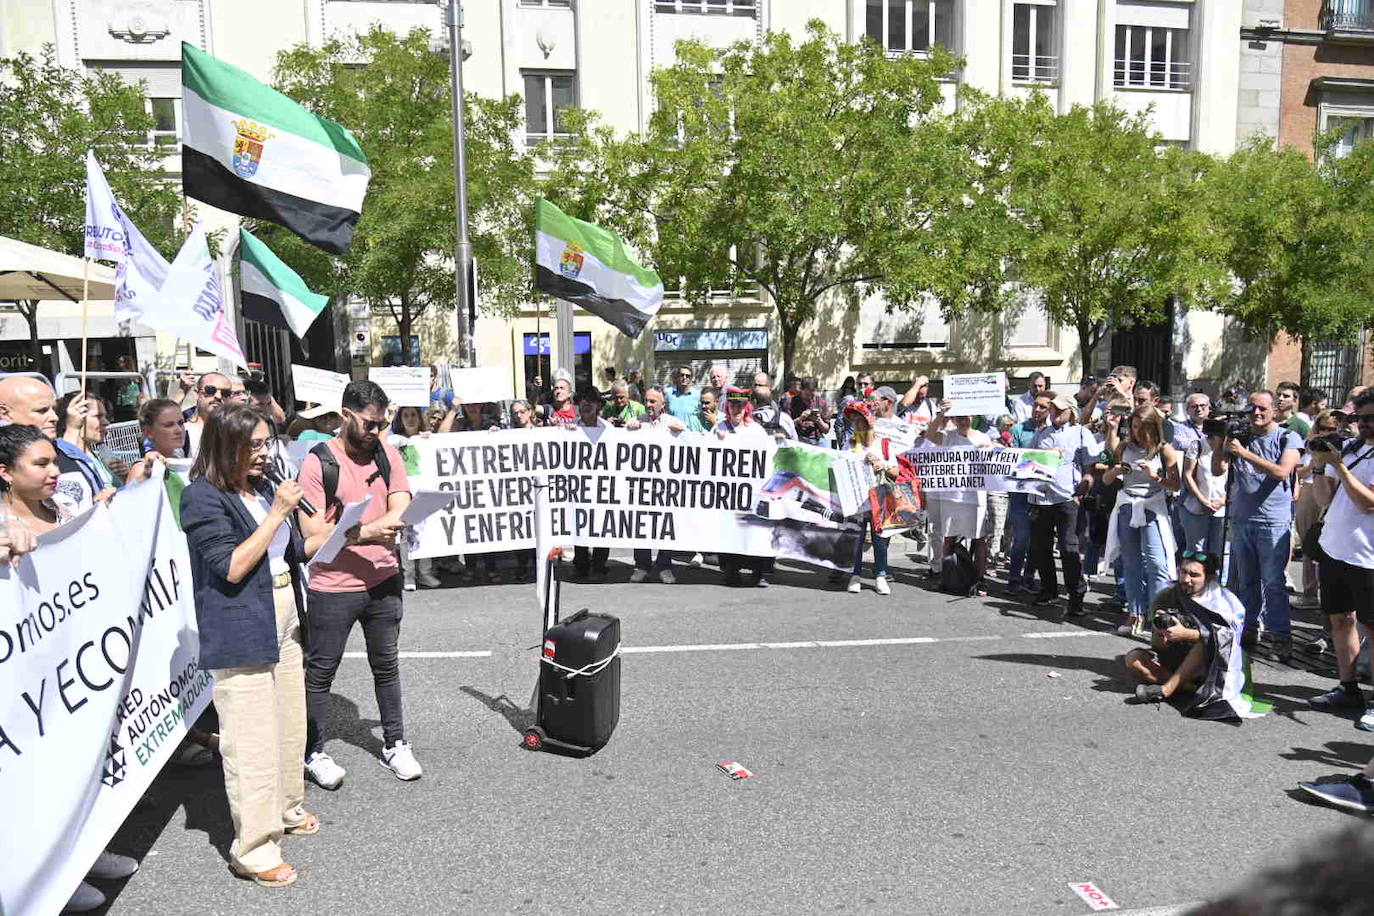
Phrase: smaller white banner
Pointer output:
(482, 384)
(406, 386)
(900, 433)
(319, 386)
(854, 480)
(991, 469)
(981, 394)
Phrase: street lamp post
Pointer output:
(462, 249)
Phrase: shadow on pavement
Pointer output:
(1336, 754)
(1112, 678)
(517, 717)
(343, 721)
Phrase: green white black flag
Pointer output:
(273, 293)
(248, 149)
(589, 266)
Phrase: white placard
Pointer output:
(99, 679)
(900, 433)
(406, 386)
(482, 384)
(981, 394)
(854, 480)
(351, 515)
(319, 386)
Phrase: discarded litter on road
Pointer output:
(734, 770)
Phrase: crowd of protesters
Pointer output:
(1163, 511)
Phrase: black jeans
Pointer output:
(587, 561)
(1048, 525)
(329, 620)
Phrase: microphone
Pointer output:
(273, 474)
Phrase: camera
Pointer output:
(1233, 424)
(1120, 410)
(1331, 442)
(1163, 621)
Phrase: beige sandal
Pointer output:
(308, 827)
(282, 876)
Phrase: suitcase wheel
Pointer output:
(534, 738)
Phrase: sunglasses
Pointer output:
(210, 391)
(1197, 556)
(371, 426)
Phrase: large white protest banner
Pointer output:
(613, 488)
(406, 386)
(991, 469)
(482, 384)
(99, 679)
(980, 394)
(318, 386)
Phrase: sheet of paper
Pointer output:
(406, 386)
(901, 433)
(351, 515)
(482, 384)
(424, 503)
(980, 394)
(318, 386)
(854, 480)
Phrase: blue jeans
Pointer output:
(1259, 556)
(879, 553)
(1145, 560)
(663, 561)
(1018, 510)
(1202, 532)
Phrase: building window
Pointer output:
(1152, 57)
(910, 25)
(554, 4)
(547, 97)
(165, 114)
(1034, 42)
(1353, 131)
(746, 8)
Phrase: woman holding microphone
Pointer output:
(247, 559)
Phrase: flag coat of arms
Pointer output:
(589, 266)
(252, 151)
(273, 293)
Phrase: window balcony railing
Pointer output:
(1034, 68)
(1157, 74)
(1348, 16)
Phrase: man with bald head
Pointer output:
(212, 390)
(26, 401)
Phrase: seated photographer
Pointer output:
(1195, 649)
(1175, 662)
(1344, 551)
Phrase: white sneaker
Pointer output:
(110, 866)
(639, 575)
(323, 771)
(399, 760)
(85, 899)
(881, 585)
(409, 586)
(696, 560)
(666, 577)
(854, 585)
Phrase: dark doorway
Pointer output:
(1147, 347)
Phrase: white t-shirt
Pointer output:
(258, 507)
(974, 439)
(1213, 486)
(193, 432)
(1348, 534)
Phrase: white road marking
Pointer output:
(798, 644)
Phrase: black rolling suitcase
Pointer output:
(577, 700)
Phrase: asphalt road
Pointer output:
(939, 765)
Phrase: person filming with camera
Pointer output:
(1263, 456)
(1345, 554)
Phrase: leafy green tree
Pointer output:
(1297, 238)
(392, 92)
(1106, 227)
(49, 117)
(793, 166)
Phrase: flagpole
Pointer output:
(85, 314)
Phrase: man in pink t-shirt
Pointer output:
(363, 583)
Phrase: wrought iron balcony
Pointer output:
(1349, 19)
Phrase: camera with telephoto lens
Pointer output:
(1331, 442)
(1233, 424)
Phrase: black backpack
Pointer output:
(958, 574)
(329, 471)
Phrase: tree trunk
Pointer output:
(789, 327)
(29, 309)
(403, 325)
(1087, 342)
